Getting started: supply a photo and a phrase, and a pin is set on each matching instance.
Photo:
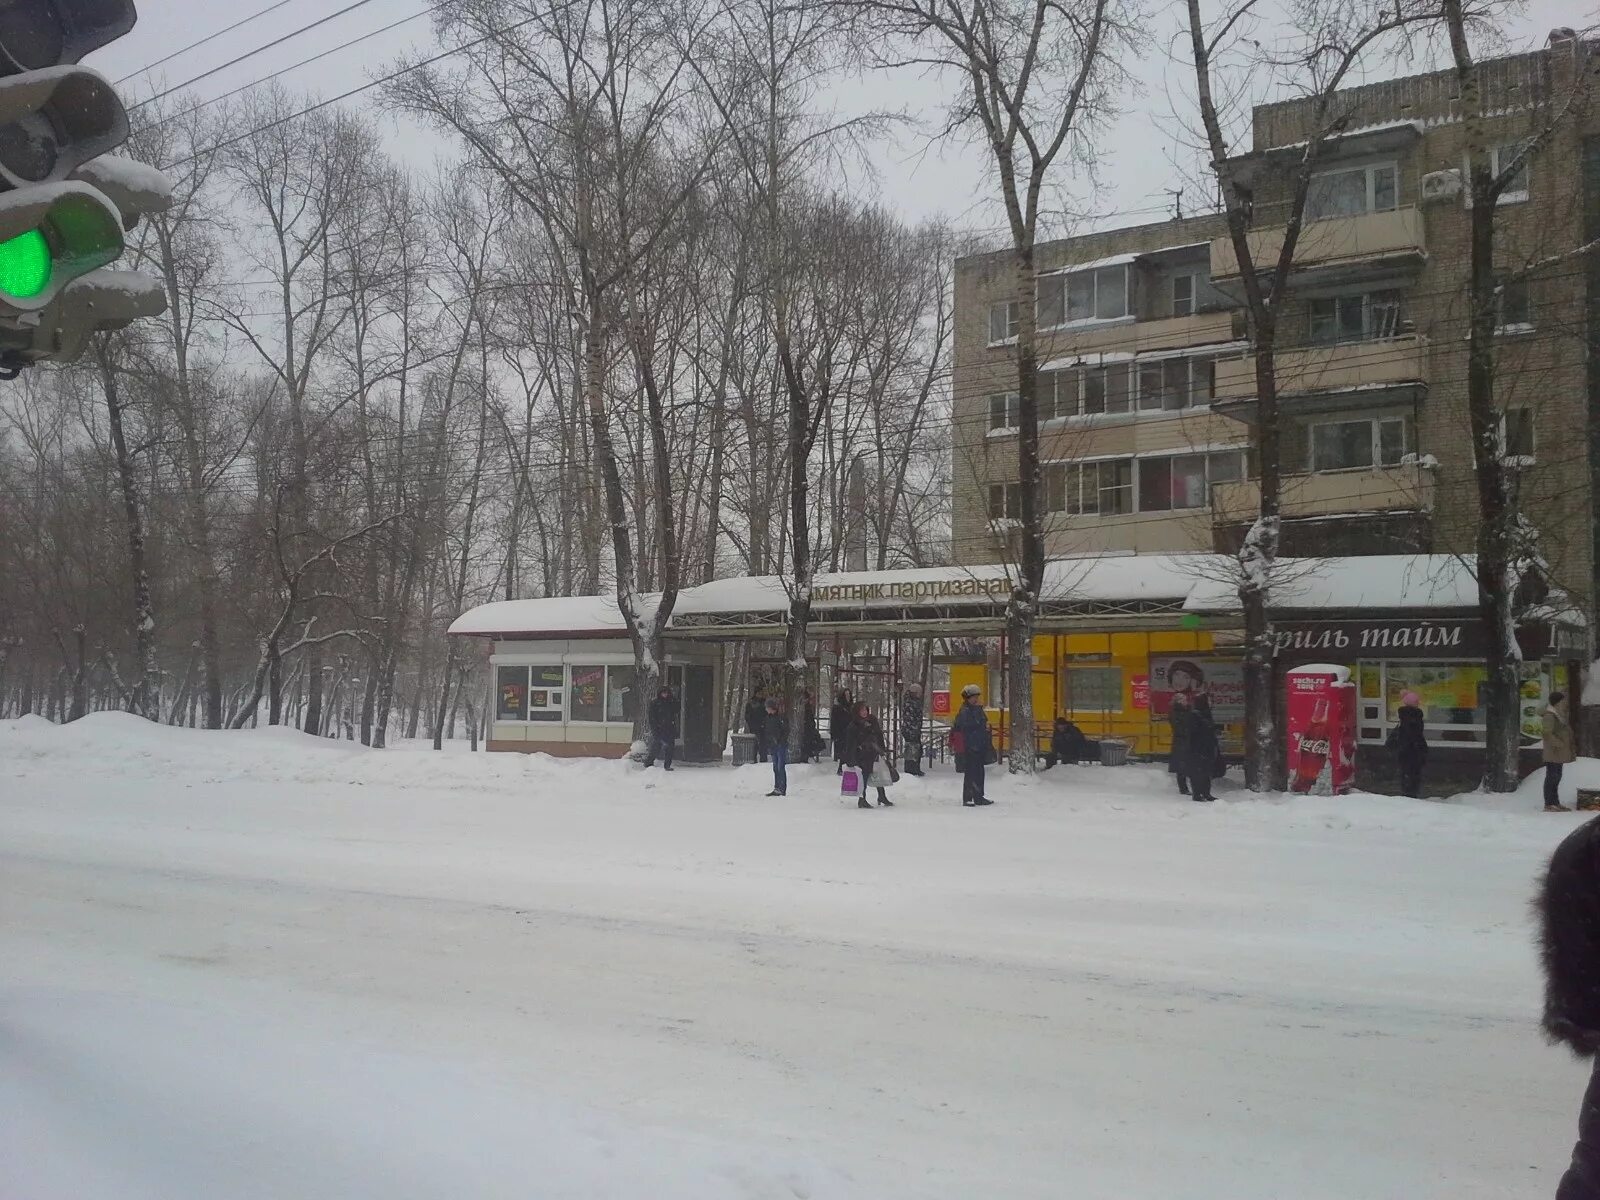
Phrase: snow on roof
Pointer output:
(1200, 582)
(544, 615)
(1122, 260)
(1378, 581)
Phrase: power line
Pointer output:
(249, 54)
(210, 37)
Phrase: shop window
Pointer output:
(1353, 192)
(1093, 689)
(1003, 321)
(511, 694)
(546, 690)
(622, 695)
(588, 701)
(1003, 410)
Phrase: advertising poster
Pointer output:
(1220, 678)
(588, 694)
(1141, 691)
(1322, 731)
(941, 704)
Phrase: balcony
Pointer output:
(1407, 488)
(1380, 367)
(1337, 244)
(1137, 337)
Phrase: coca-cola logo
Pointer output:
(1316, 746)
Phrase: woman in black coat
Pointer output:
(839, 717)
(1569, 918)
(1200, 749)
(864, 750)
(1178, 759)
(1409, 741)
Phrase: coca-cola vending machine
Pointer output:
(1322, 729)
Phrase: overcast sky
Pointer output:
(914, 178)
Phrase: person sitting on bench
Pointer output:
(1068, 745)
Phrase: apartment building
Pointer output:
(1149, 385)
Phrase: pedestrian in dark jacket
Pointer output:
(865, 750)
(755, 721)
(1067, 744)
(1178, 758)
(1409, 741)
(813, 735)
(663, 718)
(1569, 917)
(911, 728)
(977, 743)
(1201, 750)
(839, 718)
(774, 739)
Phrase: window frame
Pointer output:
(1369, 171)
(1107, 673)
(501, 682)
(1529, 425)
(1063, 280)
(553, 687)
(1505, 287)
(1010, 411)
(1191, 278)
(1513, 195)
(1006, 493)
(1013, 321)
(1372, 302)
(1375, 427)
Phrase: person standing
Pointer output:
(1201, 749)
(1178, 757)
(911, 728)
(1568, 906)
(1409, 741)
(1558, 750)
(977, 743)
(755, 720)
(866, 750)
(839, 717)
(774, 736)
(663, 717)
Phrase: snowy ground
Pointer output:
(255, 965)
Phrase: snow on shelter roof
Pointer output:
(1200, 583)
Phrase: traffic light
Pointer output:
(64, 204)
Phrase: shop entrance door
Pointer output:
(699, 704)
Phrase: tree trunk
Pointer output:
(144, 698)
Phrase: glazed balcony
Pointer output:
(1336, 244)
(1380, 367)
(1407, 488)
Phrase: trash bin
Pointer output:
(1113, 753)
(744, 749)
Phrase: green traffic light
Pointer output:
(25, 265)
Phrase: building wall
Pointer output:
(1542, 368)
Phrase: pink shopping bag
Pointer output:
(850, 782)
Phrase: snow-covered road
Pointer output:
(257, 965)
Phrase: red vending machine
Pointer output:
(1322, 729)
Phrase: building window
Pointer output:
(1184, 481)
(511, 694)
(1364, 316)
(622, 695)
(588, 686)
(1513, 306)
(1185, 295)
(1168, 384)
(1003, 321)
(1058, 394)
(1349, 445)
(1005, 502)
(1093, 689)
(1353, 192)
(1516, 433)
(1003, 410)
(1500, 158)
(1098, 295)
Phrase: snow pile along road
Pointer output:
(255, 964)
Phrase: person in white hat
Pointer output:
(972, 724)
